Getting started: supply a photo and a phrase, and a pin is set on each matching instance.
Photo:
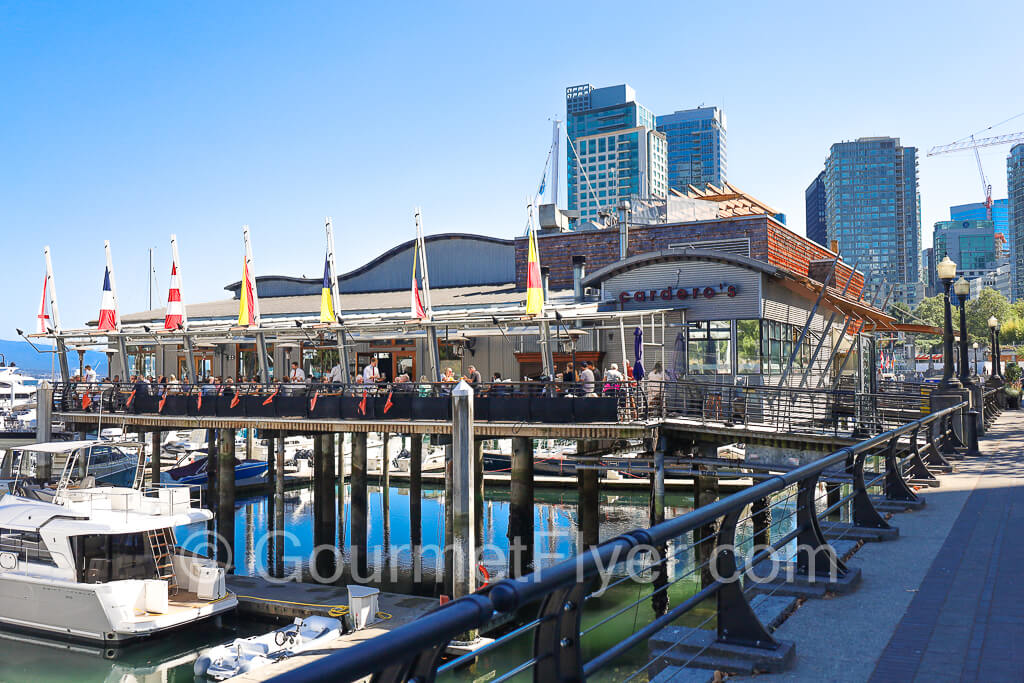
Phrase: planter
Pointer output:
(508, 408)
(431, 408)
(206, 408)
(400, 408)
(601, 409)
(256, 405)
(224, 407)
(291, 406)
(350, 408)
(327, 407)
(175, 404)
(551, 410)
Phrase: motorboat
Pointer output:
(247, 473)
(109, 463)
(243, 655)
(102, 564)
(16, 390)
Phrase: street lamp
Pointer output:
(946, 269)
(993, 325)
(963, 288)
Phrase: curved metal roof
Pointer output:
(669, 255)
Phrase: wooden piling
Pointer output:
(154, 461)
(226, 498)
(359, 504)
(588, 486)
(705, 492)
(520, 510)
(478, 486)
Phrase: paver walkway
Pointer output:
(966, 621)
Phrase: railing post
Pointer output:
(864, 512)
(556, 640)
(972, 434)
(737, 623)
(815, 557)
(895, 485)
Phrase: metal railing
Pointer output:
(787, 513)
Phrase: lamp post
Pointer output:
(977, 371)
(963, 289)
(947, 271)
(993, 324)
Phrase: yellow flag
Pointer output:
(246, 305)
(534, 286)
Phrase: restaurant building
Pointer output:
(724, 299)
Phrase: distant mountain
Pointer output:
(38, 364)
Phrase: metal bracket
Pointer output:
(815, 557)
(556, 640)
(895, 485)
(737, 623)
(932, 455)
(864, 512)
(918, 469)
(422, 668)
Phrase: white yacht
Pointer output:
(101, 563)
(16, 390)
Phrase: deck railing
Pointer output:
(710, 551)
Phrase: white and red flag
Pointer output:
(415, 303)
(108, 315)
(42, 319)
(175, 310)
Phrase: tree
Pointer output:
(901, 312)
(989, 303)
(930, 311)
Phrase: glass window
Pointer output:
(708, 349)
(748, 347)
(113, 557)
(27, 545)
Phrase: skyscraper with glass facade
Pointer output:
(814, 208)
(872, 210)
(696, 146)
(971, 243)
(1015, 218)
(614, 151)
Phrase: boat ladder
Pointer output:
(162, 543)
(65, 477)
(140, 471)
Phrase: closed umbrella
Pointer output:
(638, 350)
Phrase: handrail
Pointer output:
(422, 638)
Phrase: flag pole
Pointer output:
(336, 299)
(261, 339)
(190, 368)
(122, 345)
(432, 344)
(62, 351)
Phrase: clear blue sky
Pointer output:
(128, 121)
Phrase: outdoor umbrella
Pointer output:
(638, 349)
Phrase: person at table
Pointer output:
(568, 375)
(473, 377)
(297, 375)
(587, 379)
(449, 376)
(337, 375)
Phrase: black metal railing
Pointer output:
(552, 606)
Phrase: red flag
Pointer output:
(416, 304)
(362, 406)
(199, 401)
(131, 397)
(312, 401)
(270, 399)
(388, 404)
(163, 400)
(86, 400)
(235, 399)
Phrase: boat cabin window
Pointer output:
(27, 545)
(113, 557)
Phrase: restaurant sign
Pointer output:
(679, 293)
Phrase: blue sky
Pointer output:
(130, 121)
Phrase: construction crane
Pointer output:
(971, 142)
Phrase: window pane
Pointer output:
(748, 349)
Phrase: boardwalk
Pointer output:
(944, 602)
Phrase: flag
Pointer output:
(199, 401)
(163, 400)
(235, 399)
(42, 318)
(247, 298)
(362, 406)
(86, 400)
(388, 404)
(131, 397)
(270, 399)
(175, 309)
(108, 318)
(534, 288)
(415, 303)
(312, 401)
(326, 299)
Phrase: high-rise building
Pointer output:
(696, 147)
(614, 153)
(1015, 218)
(1000, 217)
(814, 207)
(872, 210)
(973, 244)
(929, 276)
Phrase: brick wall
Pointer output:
(769, 242)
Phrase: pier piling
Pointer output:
(520, 512)
(464, 491)
(588, 484)
(226, 499)
(359, 504)
(154, 461)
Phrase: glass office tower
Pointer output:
(696, 147)
(1015, 218)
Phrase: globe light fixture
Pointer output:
(992, 322)
(946, 268)
(962, 288)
